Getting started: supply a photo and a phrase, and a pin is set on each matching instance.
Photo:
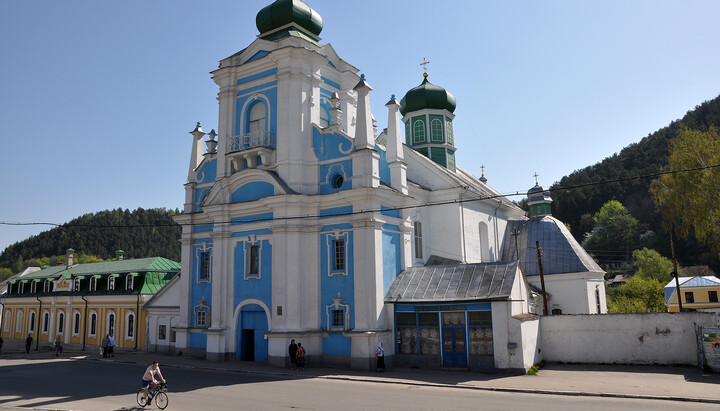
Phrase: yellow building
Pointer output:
(696, 292)
(83, 303)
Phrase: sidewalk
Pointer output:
(647, 382)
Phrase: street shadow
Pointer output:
(689, 373)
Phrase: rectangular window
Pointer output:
(254, 260)
(201, 318)
(712, 296)
(338, 318)
(339, 255)
(172, 336)
(161, 332)
(417, 232)
(689, 297)
(204, 265)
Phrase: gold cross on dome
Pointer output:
(482, 168)
(424, 64)
(536, 175)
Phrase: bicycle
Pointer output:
(158, 393)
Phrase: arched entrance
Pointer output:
(250, 342)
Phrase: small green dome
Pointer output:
(427, 95)
(283, 12)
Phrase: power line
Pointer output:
(375, 210)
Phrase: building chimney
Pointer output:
(119, 254)
(69, 258)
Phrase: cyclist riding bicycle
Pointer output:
(149, 377)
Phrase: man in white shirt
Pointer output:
(149, 377)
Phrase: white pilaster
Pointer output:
(395, 154)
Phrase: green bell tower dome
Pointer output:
(428, 114)
(284, 18)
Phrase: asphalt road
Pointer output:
(103, 385)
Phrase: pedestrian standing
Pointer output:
(58, 346)
(28, 343)
(301, 357)
(292, 350)
(380, 355)
(111, 346)
(105, 345)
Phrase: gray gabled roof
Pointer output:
(464, 282)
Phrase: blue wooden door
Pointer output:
(251, 344)
(454, 340)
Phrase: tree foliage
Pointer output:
(615, 233)
(690, 200)
(650, 264)
(638, 295)
(96, 236)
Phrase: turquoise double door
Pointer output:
(250, 342)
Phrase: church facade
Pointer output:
(302, 222)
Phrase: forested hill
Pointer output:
(140, 233)
(649, 156)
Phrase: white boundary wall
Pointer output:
(652, 338)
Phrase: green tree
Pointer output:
(639, 295)
(614, 234)
(650, 264)
(690, 200)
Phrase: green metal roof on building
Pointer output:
(151, 264)
(284, 12)
(427, 95)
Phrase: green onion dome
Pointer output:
(283, 12)
(427, 95)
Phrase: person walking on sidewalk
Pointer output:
(292, 350)
(105, 345)
(28, 343)
(111, 346)
(380, 355)
(58, 346)
(300, 357)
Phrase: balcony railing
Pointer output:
(257, 138)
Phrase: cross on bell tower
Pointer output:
(424, 64)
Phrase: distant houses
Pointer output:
(82, 303)
(699, 292)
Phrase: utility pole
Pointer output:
(675, 272)
(542, 277)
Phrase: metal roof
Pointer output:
(561, 253)
(463, 282)
(152, 264)
(690, 282)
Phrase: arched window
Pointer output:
(130, 326)
(19, 321)
(129, 281)
(6, 326)
(93, 283)
(33, 287)
(61, 322)
(111, 282)
(256, 119)
(46, 322)
(418, 131)
(111, 323)
(436, 130)
(76, 323)
(47, 287)
(484, 241)
(31, 323)
(93, 324)
(76, 284)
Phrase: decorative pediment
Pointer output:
(249, 185)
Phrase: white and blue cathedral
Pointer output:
(302, 222)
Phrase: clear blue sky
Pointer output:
(97, 97)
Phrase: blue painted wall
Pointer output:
(200, 290)
(252, 191)
(383, 166)
(391, 255)
(261, 288)
(328, 146)
(330, 286)
(207, 172)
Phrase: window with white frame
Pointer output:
(337, 315)
(93, 324)
(256, 119)
(436, 129)
(162, 332)
(338, 255)
(93, 283)
(130, 325)
(60, 322)
(47, 286)
(76, 284)
(19, 321)
(46, 322)
(417, 233)
(111, 283)
(129, 281)
(6, 325)
(202, 315)
(111, 323)
(33, 287)
(204, 266)
(21, 287)
(76, 323)
(254, 261)
(418, 131)
(31, 323)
